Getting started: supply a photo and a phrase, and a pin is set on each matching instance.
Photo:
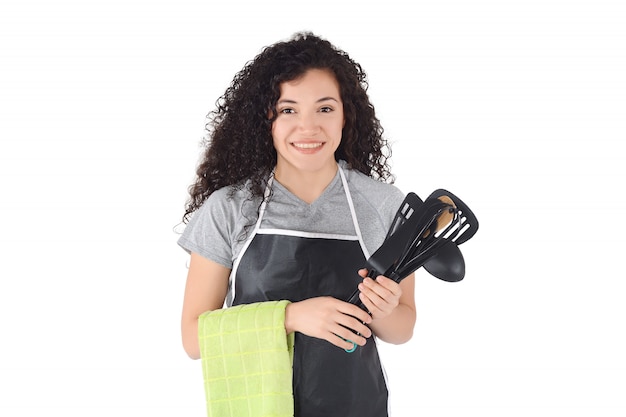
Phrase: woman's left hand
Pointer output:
(381, 295)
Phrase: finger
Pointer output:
(339, 341)
(371, 307)
(351, 346)
(344, 337)
(386, 289)
(355, 325)
(382, 281)
(390, 284)
(374, 291)
(377, 306)
(363, 272)
(354, 311)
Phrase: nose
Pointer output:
(308, 122)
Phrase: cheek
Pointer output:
(275, 140)
(279, 134)
(280, 128)
(275, 131)
(338, 127)
(341, 122)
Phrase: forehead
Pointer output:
(314, 82)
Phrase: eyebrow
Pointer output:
(285, 100)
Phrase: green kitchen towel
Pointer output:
(247, 360)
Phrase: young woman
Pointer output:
(290, 200)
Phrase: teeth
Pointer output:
(307, 145)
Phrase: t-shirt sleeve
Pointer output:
(208, 231)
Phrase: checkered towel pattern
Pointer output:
(247, 361)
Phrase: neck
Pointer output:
(306, 185)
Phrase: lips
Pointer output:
(308, 145)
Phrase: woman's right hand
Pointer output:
(330, 319)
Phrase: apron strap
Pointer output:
(353, 213)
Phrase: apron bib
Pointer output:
(293, 265)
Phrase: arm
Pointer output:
(207, 284)
(392, 306)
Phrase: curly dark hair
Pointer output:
(239, 146)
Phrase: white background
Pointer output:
(518, 107)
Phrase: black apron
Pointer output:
(292, 265)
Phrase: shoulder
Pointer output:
(225, 203)
(215, 229)
(382, 196)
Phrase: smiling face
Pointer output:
(307, 130)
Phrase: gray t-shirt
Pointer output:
(217, 230)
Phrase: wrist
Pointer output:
(289, 318)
